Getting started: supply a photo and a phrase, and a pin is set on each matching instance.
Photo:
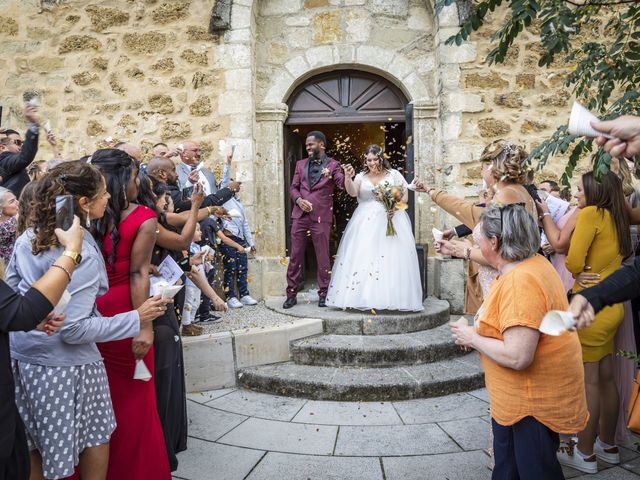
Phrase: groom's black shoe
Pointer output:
(322, 301)
(289, 302)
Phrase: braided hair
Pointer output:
(77, 179)
(117, 167)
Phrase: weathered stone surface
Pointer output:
(529, 126)
(557, 99)
(77, 43)
(100, 63)
(72, 108)
(145, 43)
(316, 3)
(326, 28)
(110, 107)
(135, 105)
(397, 8)
(177, 82)
(210, 127)
(128, 123)
(135, 73)
(72, 19)
(94, 128)
(92, 95)
(509, 100)
(177, 130)
(8, 26)
(116, 85)
(280, 7)
(201, 107)
(84, 78)
(479, 80)
(491, 127)
(170, 11)
(164, 65)
(526, 81)
(161, 103)
(201, 79)
(196, 33)
(196, 58)
(104, 17)
(45, 64)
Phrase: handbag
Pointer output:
(633, 420)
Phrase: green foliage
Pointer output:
(600, 38)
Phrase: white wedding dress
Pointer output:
(373, 270)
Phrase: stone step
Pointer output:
(354, 322)
(426, 346)
(366, 384)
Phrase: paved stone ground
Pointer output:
(239, 434)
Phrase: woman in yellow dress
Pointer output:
(599, 243)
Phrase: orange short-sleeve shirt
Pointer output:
(552, 388)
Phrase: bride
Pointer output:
(373, 270)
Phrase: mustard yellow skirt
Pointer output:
(597, 340)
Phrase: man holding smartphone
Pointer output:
(16, 155)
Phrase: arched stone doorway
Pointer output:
(353, 108)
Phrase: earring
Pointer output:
(87, 220)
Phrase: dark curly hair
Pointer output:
(116, 166)
(75, 178)
(510, 161)
(377, 151)
(26, 207)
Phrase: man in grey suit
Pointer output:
(190, 161)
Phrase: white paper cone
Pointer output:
(234, 213)
(437, 234)
(412, 186)
(141, 372)
(580, 122)
(556, 322)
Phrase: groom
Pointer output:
(311, 191)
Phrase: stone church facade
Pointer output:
(146, 71)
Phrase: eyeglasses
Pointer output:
(18, 142)
(508, 206)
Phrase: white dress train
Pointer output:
(373, 270)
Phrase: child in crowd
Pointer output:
(236, 227)
(192, 292)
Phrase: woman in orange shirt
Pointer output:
(535, 381)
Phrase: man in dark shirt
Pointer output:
(16, 155)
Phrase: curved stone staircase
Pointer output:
(370, 357)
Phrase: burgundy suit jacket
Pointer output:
(321, 194)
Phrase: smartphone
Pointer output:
(185, 262)
(186, 193)
(233, 149)
(64, 211)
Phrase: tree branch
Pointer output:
(598, 4)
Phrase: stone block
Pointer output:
(299, 38)
(177, 82)
(202, 79)
(170, 12)
(135, 73)
(161, 103)
(448, 16)
(240, 125)
(197, 33)
(320, 56)
(260, 346)
(451, 126)
(202, 458)
(557, 99)
(440, 409)
(164, 65)
(297, 21)
(235, 56)
(201, 107)
(485, 80)
(450, 76)
(195, 58)
(418, 90)
(241, 36)
(464, 53)
(279, 87)
(254, 404)
(84, 78)
(344, 53)
(526, 81)
(348, 413)
(449, 282)
(470, 433)
(100, 63)
(529, 126)
(208, 362)
(316, 3)
(462, 152)
(358, 26)
(280, 7)
(304, 327)
(493, 128)
(103, 17)
(144, 43)
(8, 26)
(234, 101)
(297, 66)
(509, 100)
(94, 128)
(210, 424)
(78, 43)
(374, 56)
(400, 67)
(463, 102)
(175, 130)
(391, 8)
(351, 3)
(419, 19)
(283, 465)
(452, 466)
(240, 17)
(45, 64)
(326, 28)
(238, 79)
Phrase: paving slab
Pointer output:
(261, 405)
(305, 467)
(204, 397)
(205, 460)
(481, 393)
(452, 466)
(613, 473)
(210, 424)
(348, 413)
(440, 409)
(393, 440)
(283, 437)
(470, 433)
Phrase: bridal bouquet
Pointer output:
(391, 198)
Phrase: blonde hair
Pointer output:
(624, 174)
(509, 161)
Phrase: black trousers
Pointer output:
(17, 465)
(525, 450)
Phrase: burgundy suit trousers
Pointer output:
(302, 229)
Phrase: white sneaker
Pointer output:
(233, 302)
(570, 456)
(248, 300)
(609, 454)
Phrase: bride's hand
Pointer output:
(349, 171)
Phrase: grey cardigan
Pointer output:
(74, 343)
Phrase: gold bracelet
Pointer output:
(209, 210)
(63, 269)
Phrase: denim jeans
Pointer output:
(235, 269)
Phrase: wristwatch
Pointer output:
(75, 256)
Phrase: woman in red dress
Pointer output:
(127, 233)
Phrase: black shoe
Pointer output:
(322, 301)
(210, 319)
(289, 302)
